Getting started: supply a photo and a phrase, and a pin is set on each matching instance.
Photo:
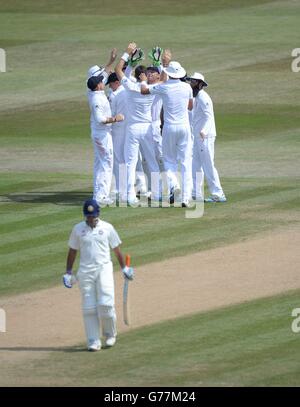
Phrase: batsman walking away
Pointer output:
(94, 239)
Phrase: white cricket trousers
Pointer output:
(157, 140)
(103, 163)
(157, 143)
(98, 302)
(139, 136)
(177, 147)
(203, 163)
(118, 139)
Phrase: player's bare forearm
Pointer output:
(112, 58)
(119, 256)
(144, 87)
(119, 69)
(166, 59)
(71, 259)
(120, 65)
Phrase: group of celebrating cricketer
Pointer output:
(154, 121)
(129, 145)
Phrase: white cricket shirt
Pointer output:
(94, 244)
(156, 108)
(138, 105)
(118, 104)
(175, 96)
(100, 110)
(203, 115)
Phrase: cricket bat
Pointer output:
(126, 312)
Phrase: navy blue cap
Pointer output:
(93, 81)
(91, 208)
(153, 69)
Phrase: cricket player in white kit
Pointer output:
(94, 238)
(177, 98)
(204, 130)
(138, 129)
(118, 104)
(101, 120)
(153, 77)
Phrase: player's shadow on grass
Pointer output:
(64, 349)
(74, 349)
(57, 198)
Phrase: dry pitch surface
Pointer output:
(50, 319)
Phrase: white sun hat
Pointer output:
(175, 70)
(95, 71)
(199, 77)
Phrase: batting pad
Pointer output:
(108, 319)
(91, 324)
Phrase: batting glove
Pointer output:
(155, 56)
(136, 57)
(128, 272)
(69, 280)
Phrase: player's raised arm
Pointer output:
(125, 57)
(112, 58)
(165, 59)
(144, 87)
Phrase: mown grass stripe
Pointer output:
(246, 344)
(33, 221)
(9, 239)
(34, 243)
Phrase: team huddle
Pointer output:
(154, 121)
(151, 123)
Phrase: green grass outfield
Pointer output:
(244, 50)
(244, 345)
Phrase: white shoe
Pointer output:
(94, 346)
(111, 341)
(141, 189)
(105, 202)
(187, 204)
(146, 194)
(215, 198)
(134, 202)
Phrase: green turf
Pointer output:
(34, 231)
(215, 37)
(244, 345)
(46, 153)
(244, 49)
(130, 7)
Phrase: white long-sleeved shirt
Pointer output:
(100, 110)
(156, 108)
(118, 105)
(138, 105)
(203, 115)
(175, 95)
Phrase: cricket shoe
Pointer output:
(174, 193)
(135, 202)
(94, 346)
(105, 202)
(214, 198)
(197, 198)
(141, 191)
(146, 194)
(187, 204)
(110, 341)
